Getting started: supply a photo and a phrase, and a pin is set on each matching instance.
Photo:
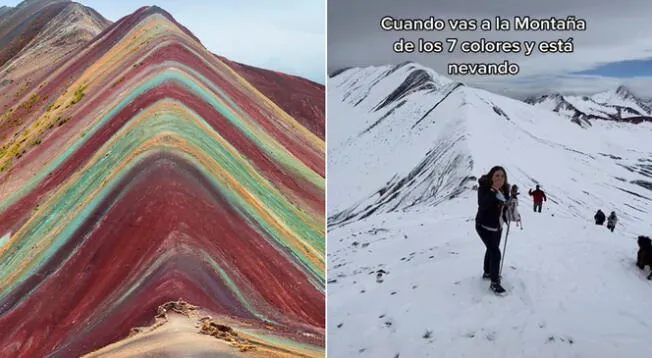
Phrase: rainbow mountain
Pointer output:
(155, 198)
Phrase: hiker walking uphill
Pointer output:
(539, 197)
(493, 193)
(599, 217)
(611, 221)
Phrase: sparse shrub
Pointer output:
(79, 94)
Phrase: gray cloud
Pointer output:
(616, 31)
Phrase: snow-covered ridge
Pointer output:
(404, 137)
(395, 103)
(359, 84)
(619, 105)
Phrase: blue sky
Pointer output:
(622, 69)
(283, 35)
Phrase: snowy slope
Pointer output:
(406, 146)
(573, 290)
(617, 105)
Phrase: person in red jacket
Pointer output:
(539, 197)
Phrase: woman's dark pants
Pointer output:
(491, 241)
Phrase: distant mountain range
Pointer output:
(619, 105)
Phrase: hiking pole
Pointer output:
(500, 273)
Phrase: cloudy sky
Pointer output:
(615, 49)
(283, 35)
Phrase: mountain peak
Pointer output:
(40, 2)
(152, 9)
(408, 63)
(68, 28)
(4, 10)
(415, 66)
(339, 71)
(145, 11)
(405, 79)
(619, 105)
(416, 70)
(625, 92)
(543, 97)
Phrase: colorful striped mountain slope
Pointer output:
(140, 173)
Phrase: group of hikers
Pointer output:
(497, 204)
(611, 220)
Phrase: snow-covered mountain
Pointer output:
(405, 148)
(403, 137)
(617, 105)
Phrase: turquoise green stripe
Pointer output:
(281, 155)
(51, 217)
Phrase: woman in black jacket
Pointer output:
(493, 193)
